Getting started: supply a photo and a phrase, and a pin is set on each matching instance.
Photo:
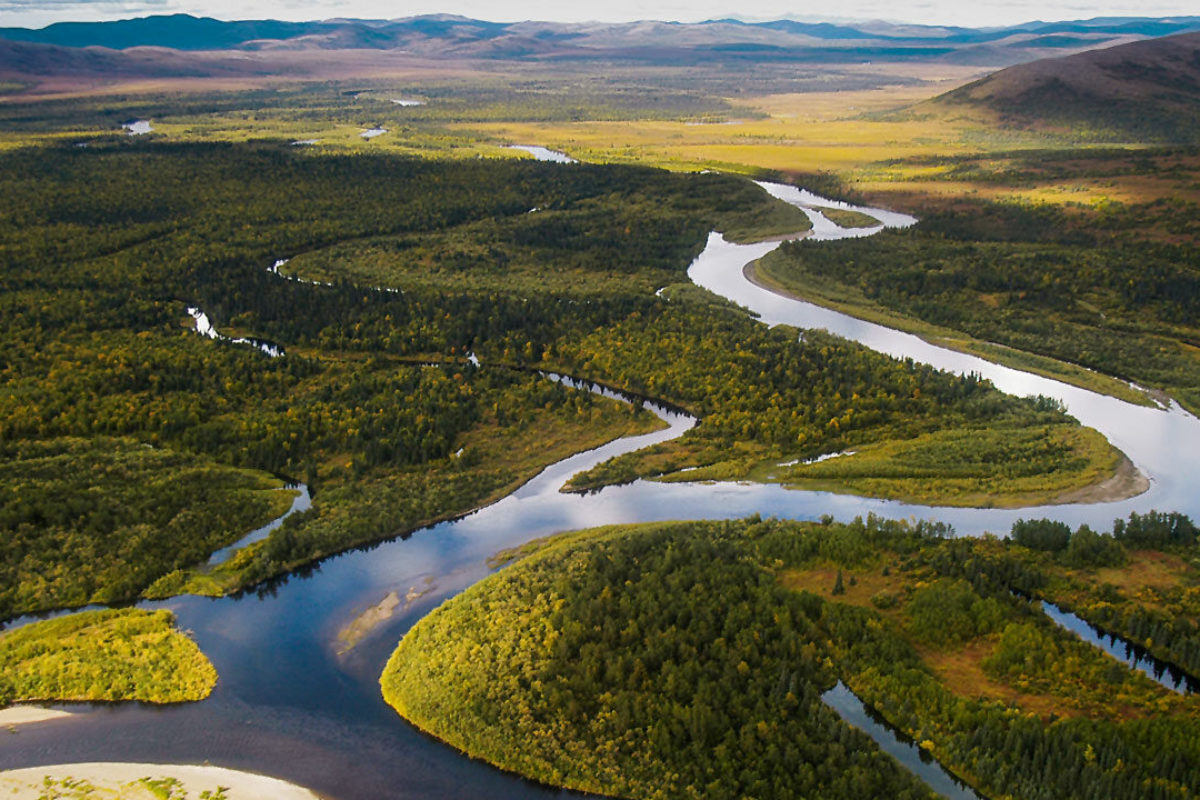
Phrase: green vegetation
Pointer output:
(1141, 583)
(848, 219)
(1089, 291)
(104, 247)
(923, 435)
(990, 465)
(124, 654)
(851, 300)
(687, 659)
(98, 520)
(628, 663)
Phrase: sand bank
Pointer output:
(121, 781)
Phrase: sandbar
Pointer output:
(25, 715)
(123, 781)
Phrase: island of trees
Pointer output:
(116, 654)
(689, 659)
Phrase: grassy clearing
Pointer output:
(125, 654)
(1149, 569)
(848, 219)
(1053, 683)
(994, 467)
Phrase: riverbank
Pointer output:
(1126, 482)
(942, 477)
(692, 659)
(122, 781)
(28, 715)
(843, 300)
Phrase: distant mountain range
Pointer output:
(729, 39)
(1148, 90)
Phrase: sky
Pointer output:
(970, 13)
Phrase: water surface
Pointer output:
(288, 706)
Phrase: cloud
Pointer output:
(37, 13)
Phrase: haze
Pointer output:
(37, 13)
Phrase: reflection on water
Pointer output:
(204, 327)
(543, 153)
(302, 502)
(896, 744)
(287, 706)
(1162, 672)
(1163, 443)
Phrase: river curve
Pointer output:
(287, 705)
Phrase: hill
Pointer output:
(447, 35)
(1147, 90)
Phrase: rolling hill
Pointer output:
(1147, 90)
(455, 36)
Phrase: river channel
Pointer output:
(288, 705)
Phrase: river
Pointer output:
(289, 706)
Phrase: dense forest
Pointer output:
(688, 659)
(376, 403)
(97, 520)
(121, 654)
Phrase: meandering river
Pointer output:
(289, 706)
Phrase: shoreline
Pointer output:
(1145, 397)
(127, 781)
(14, 716)
(1126, 482)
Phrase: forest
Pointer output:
(1112, 286)
(375, 404)
(116, 654)
(688, 659)
(97, 520)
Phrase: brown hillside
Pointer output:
(1147, 90)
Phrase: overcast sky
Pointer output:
(973, 13)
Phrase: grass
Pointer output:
(1150, 569)
(994, 467)
(124, 654)
(848, 219)
(962, 667)
(987, 468)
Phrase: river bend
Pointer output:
(289, 706)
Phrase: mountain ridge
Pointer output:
(188, 32)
